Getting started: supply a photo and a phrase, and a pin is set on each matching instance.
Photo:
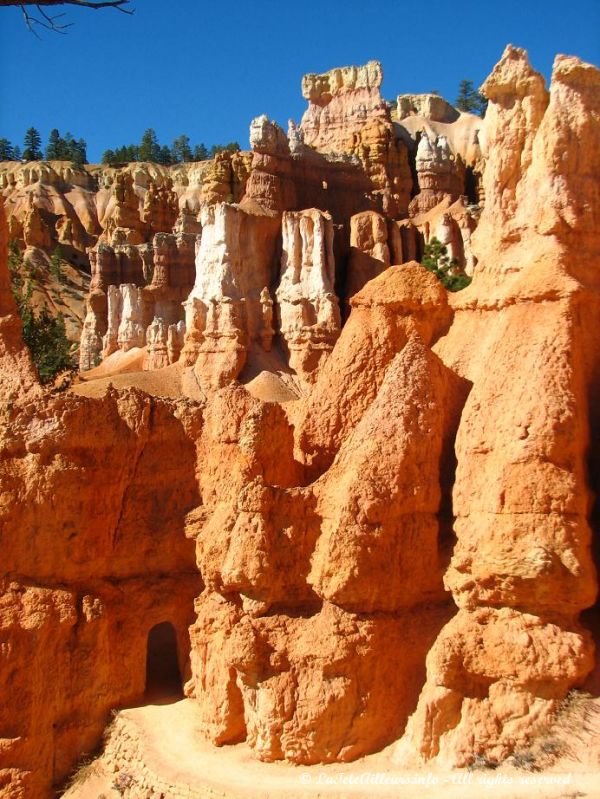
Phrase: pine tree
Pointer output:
(464, 100)
(79, 152)
(32, 142)
(55, 146)
(164, 156)
(44, 334)
(7, 152)
(70, 146)
(17, 153)
(469, 99)
(56, 264)
(149, 147)
(108, 157)
(181, 150)
(46, 337)
(200, 153)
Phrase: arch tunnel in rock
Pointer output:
(163, 676)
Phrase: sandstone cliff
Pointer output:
(395, 549)
(348, 161)
(346, 157)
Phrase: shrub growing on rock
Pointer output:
(447, 271)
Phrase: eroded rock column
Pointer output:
(308, 309)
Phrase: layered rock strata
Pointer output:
(369, 250)
(439, 174)
(347, 115)
(346, 157)
(162, 274)
(430, 106)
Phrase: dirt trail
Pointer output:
(165, 738)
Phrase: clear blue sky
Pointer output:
(206, 69)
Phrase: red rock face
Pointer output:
(521, 570)
(90, 566)
(401, 302)
(400, 550)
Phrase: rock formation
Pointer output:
(122, 222)
(346, 115)
(307, 307)
(223, 313)
(346, 161)
(438, 174)
(521, 570)
(346, 157)
(398, 550)
(270, 183)
(224, 179)
(429, 106)
(162, 273)
(48, 204)
(161, 207)
(369, 250)
(17, 374)
(97, 570)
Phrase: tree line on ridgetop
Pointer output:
(67, 148)
(150, 149)
(59, 148)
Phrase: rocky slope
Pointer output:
(365, 505)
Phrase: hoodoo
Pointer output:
(336, 506)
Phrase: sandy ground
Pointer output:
(159, 382)
(264, 376)
(267, 376)
(175, 752)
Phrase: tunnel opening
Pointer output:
(163, 677)
(471, 186)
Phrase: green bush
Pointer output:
(55, 265)
(44, 334)
(436, 260)
(46, 337)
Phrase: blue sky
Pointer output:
(206, 69)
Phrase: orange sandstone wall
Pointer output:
(401, 554)
(90, 564)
